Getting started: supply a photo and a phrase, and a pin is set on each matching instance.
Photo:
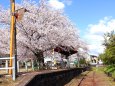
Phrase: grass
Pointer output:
(101, 70)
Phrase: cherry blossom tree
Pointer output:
(41, 29)
(44, 28)
(4, 41)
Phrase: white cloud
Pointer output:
(56, 4)
(68, 2)
(95, 32)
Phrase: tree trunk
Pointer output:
(68, 62)
(40, 60)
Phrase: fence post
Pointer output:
(32, 64)
(14, 72)
(26, 67)
(18, 68)
(7, 66)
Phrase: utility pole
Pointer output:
(16, 15)
(13, 50)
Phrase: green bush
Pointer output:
(110, 71)
(109, 68)
(113, 74)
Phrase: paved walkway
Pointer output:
(93, 78)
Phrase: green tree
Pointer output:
(108, 56)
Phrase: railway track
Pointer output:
(91, 79)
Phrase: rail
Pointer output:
(6, 67)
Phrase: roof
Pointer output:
(65, 50)
(93, 56)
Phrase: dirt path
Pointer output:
(93, 78)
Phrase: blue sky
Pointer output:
(84, 12)
(93, 18)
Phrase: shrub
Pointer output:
(113, 74)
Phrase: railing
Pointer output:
(6, 67)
